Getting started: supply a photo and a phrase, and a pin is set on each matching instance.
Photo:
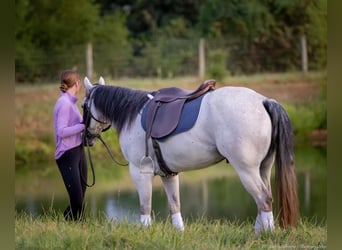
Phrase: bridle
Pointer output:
(87, 116)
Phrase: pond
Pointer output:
(220, 198)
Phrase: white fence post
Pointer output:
(201, 59)
(89, 59)
(304, 54)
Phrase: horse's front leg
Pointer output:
(143, 184)
(171, 186)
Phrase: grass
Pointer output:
(53, 232)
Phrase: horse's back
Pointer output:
(237, 104)
(236, 96)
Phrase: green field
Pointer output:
(53, 232)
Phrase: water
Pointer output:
(221, 198)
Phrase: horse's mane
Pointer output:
(119, 105)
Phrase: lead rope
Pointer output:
(91, 166)
(91, 161)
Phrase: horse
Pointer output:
(236, 124)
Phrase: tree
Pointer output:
(265, 35)
(112, 50)
(46, 35)
(256, 35)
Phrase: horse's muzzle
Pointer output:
(89, 139)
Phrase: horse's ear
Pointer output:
(101, 81)
(87, 83)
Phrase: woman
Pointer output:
(69, 154)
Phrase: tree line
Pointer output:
(134, 38)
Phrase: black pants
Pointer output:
(73, 167)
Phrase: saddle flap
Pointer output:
(166, 118)
(188, 117)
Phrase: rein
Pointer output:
(110, 153)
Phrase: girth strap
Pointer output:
(163, 167)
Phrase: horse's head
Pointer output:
(94, 121)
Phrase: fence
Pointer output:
(162, 58)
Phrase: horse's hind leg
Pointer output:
(252, 181)
(265, 171)
(171, 186)
(143, 184)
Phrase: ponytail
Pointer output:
(68, 79)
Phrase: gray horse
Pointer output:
(247, 129)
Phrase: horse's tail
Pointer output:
(282, 143)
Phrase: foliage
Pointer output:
(308, 116)
(306, 119)
(52, 232)
(217, 68)
(51, 36)
(135, 38)
(166, 58)
(265, 35)
(31, 152)
(112, 51)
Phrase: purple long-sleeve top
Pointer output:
(67, 124)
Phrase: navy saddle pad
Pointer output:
(187, 119)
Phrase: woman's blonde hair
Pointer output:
(68, 79)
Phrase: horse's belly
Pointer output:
(185, 152)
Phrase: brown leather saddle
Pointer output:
(164, 110)
(163, 114)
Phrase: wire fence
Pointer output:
(164, 59)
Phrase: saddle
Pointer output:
(163, 114)
(164, 110)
